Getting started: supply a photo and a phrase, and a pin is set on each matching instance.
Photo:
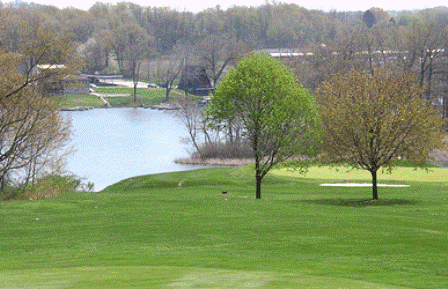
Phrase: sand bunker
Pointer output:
(362, 185)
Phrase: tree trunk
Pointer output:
(135, 77)
(374, 185)
(258, 189)
(106, 62)
(167, 94)
(428, 86)
(2, 184)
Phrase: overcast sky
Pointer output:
(199, 5)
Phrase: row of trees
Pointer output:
(155, 43)
(367, 119)
(421, 48)
(104, 34)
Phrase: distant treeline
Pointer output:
(270, 25)
(153, 43)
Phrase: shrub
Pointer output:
(224, 151)
(49, 186)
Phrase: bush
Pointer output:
(224, 151)
(49, 186)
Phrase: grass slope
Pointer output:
(178, 231)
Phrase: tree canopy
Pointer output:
(32, 133)
(279, 116)
(372, 120)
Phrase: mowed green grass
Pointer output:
(78, 100)
(145, 96)
(345, 174)
(178, 230)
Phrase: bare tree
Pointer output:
(190, 115)
(217, 53)
(31, 130)
(168, 70)
(136, 44)
(32, 135)
(33, 44)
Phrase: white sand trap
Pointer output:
(362, 185)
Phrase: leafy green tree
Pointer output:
(279, 117)
(372, 120)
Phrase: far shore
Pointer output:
(214, 162)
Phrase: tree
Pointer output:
(216, 54)
(369, 18)
(33, 43)
(278, 115)
(168, 70)
(371, 120)
(33, 134)
(31, 130)
(137, 49)
(131, 44)
(190, 115)
(92, 55)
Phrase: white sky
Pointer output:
(199, 5)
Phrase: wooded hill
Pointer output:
(266, 26)
(127, 38)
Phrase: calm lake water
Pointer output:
(118, 143)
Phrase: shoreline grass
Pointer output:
(178, 230)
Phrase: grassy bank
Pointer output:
(146, 97)
(178, 230)
(78, 100)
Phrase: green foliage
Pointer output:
(224, 151)
(372, 120)
(49, 186)
(279, 116)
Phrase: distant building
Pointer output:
(282, 52)
(61, 85)
(102, 79)
(194, 81)
(71, 84)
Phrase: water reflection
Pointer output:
(114, 144)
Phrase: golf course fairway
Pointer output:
(178, 230)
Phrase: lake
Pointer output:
(117, 143)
